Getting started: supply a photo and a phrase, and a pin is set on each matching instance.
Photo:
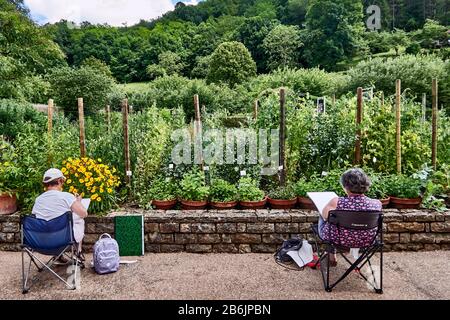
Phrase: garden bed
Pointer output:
(249, 231)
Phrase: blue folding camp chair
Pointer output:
(50, 238)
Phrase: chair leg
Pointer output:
(25, 290)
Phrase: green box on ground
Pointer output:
(129, 234)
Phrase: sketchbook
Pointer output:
(86, 203)
(321, 199)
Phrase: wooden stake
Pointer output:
(333, 99)
(398, 136)
(198, 146)
(283, 136)
(50, 117)
(434, 139)
(82, 131)
(382, 98)
(126, 140)
(108, 118)
(255, 110)
(359, 114)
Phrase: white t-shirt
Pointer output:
(53, 204)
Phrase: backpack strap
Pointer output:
(105, 235)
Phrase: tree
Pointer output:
(282, 46)
(85, 82)
(231, 63)
(431, 35)
(97, 65)
(332, 33)
(171, 63)
(398, 39)
(252, 34)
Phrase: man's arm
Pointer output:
(79, 209)
(332, 205)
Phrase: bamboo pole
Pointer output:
(126, 140)
(255, 110)
(333, 99)
(398, 142)
(424, 108)
(359, 115)
(382, 98)
(108, 118)
(198, 145)
(82, 130)
(50, 117)
(283, 136)
(434, 138)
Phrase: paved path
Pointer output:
(221, 276)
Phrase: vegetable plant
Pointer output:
(223, 191)
(249, 191)
(193, 186)
(283, 193)
(401, 186)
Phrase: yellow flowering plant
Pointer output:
(92, 179)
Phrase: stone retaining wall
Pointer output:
(258, 231)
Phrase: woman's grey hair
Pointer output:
(356, 181)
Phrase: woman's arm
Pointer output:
(79, 209)
(332, 205)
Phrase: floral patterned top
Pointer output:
(348, 237)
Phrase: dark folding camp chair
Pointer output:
(366, 220)
(49, 238)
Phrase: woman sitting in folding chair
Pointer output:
(355, 183)
(54, 203)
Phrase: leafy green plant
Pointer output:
(193, 186)
(9, 171)
(223, 191)
(162, 189)
(437, 187)
(283, 193)
(249, 191)
(379, 188)
(401, 186)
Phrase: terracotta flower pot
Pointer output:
(403, 203)
(254, 204)
(194, 205)
(306, 203)
(8, 203)
(282, 204)
(385, 202)
(164, 205)
(224, 205)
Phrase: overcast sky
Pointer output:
(113, 12)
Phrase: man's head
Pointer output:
(53, 178)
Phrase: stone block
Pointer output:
(260, 227)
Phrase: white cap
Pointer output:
(51, 175)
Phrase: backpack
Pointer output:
(106, 255)
(288, 245)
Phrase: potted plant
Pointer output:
(193, 191)
(283, 197)
(405, 192)
(223, 195)
(162, 194)
(379, 190)
(250, 195)
(9, 177)
(302, 187)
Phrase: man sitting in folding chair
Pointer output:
(56, 228)
(352, 223)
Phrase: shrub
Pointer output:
(283, 193)
(231, 63)
(88, 83)
(14, 115)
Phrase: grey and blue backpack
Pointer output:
(106, 255)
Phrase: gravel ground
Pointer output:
(424, 275)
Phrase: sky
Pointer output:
(113, 12)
